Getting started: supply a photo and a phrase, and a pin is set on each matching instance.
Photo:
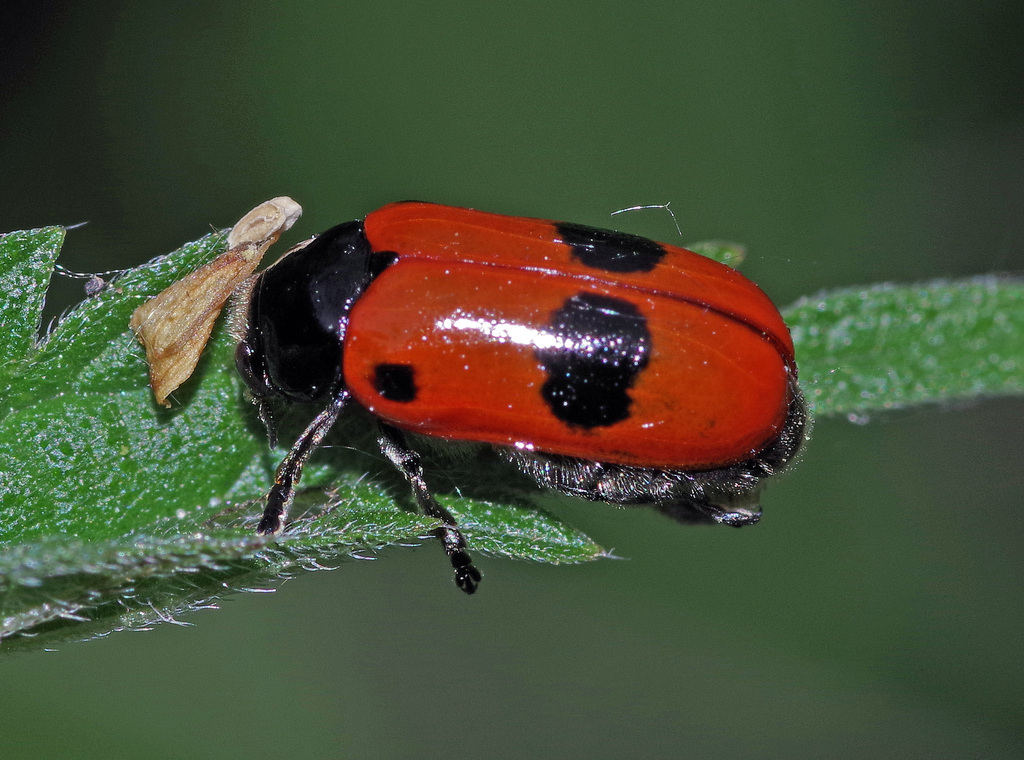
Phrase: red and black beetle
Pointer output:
(603, 365)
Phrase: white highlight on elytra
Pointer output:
(504, 332)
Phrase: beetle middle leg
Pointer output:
(394, 446)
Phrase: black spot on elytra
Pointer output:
(395, 382)
(610, 251)
(601, 345)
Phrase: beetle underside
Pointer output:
(727, 495)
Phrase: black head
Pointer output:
(298, 313)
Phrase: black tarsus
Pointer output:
(394, 446)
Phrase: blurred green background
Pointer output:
(875, 611)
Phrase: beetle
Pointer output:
(602, 365)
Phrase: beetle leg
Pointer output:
(290, 471)
(266, 416)
(394, 446)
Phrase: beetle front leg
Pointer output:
(283, 491)
(394, 446)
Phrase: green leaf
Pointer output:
(85, 452)
(119, 513)
(863, 350)
(26, 261)
(519, 533)
(178, 564)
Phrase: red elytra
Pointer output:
(468, 302)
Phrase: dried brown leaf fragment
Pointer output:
(175, 325)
